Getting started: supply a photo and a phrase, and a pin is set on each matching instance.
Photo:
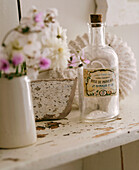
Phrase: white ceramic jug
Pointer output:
(17, 123)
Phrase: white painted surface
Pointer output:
(131, 156)
(73, 14)
(119, 12)
(108, 160)
(75, 165)
(113, 159)
(74, 140)
(8, 16)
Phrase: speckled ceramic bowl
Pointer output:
(52, 99)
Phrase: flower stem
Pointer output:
(22, 69)
(16, 70)
(0, 74)
(25, 68)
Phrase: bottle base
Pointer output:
(98, 117)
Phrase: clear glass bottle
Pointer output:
(99, 80)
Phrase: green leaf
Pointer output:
(70, 66)
(20, 74)
(9, 76)
(10, 61)
(25, 30)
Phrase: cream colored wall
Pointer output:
(8, 16)
(73, 14)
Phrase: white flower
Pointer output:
(49, 33)
(58, 53)
(32, 22)
(47, 52)
(62, 33)
(16, 44)
(53, 12)
(33, 46)
(32, 63)
(46, 36)
(3, 53)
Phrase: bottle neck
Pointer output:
(96, 35)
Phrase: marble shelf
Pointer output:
(64, 141)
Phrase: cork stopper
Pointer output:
(96, 18)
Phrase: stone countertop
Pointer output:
(63, 141)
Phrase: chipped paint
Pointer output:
(44, 142)
(104, 134)
(52, 125)
(105, 129)
(40, 128)
(11, 159)
(41, 135)
(76, 132)
(66, 134)
(53, 145)
(134, 124)
(118, 118)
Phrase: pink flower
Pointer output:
(72, 62)
(17, 59)
(84, 60)
(41, 25)
(38, 17)
(4, 65)
(44, 63)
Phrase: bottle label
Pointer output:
(100, 82)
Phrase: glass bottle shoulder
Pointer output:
(101, 56)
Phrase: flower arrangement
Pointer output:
(38, 42)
